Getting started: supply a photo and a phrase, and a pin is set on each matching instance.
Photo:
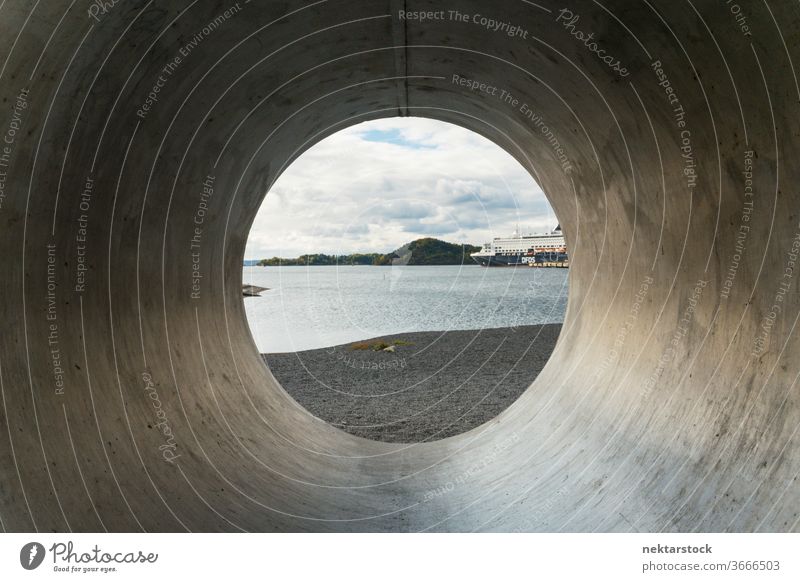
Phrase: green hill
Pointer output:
(424, 251)
(430, 251)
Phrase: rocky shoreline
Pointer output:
(416, 386)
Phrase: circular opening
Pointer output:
(406, 279)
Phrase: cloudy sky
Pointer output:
(378, 185)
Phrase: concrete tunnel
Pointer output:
(140, 139)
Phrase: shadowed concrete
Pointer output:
(133, 397)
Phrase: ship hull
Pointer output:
(551, 259)
(501, 260)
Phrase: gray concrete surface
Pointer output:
(132, 400)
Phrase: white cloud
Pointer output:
(378, 185)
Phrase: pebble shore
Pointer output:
(431, 386)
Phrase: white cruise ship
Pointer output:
(519, 249)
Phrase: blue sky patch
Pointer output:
(395, 137)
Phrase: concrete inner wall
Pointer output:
(671, 401)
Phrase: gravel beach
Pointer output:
(433, 385)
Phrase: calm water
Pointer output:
(315, 307)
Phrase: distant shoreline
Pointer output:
(423, 251)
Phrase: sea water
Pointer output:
(315, 307)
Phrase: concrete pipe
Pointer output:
(140, 138)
